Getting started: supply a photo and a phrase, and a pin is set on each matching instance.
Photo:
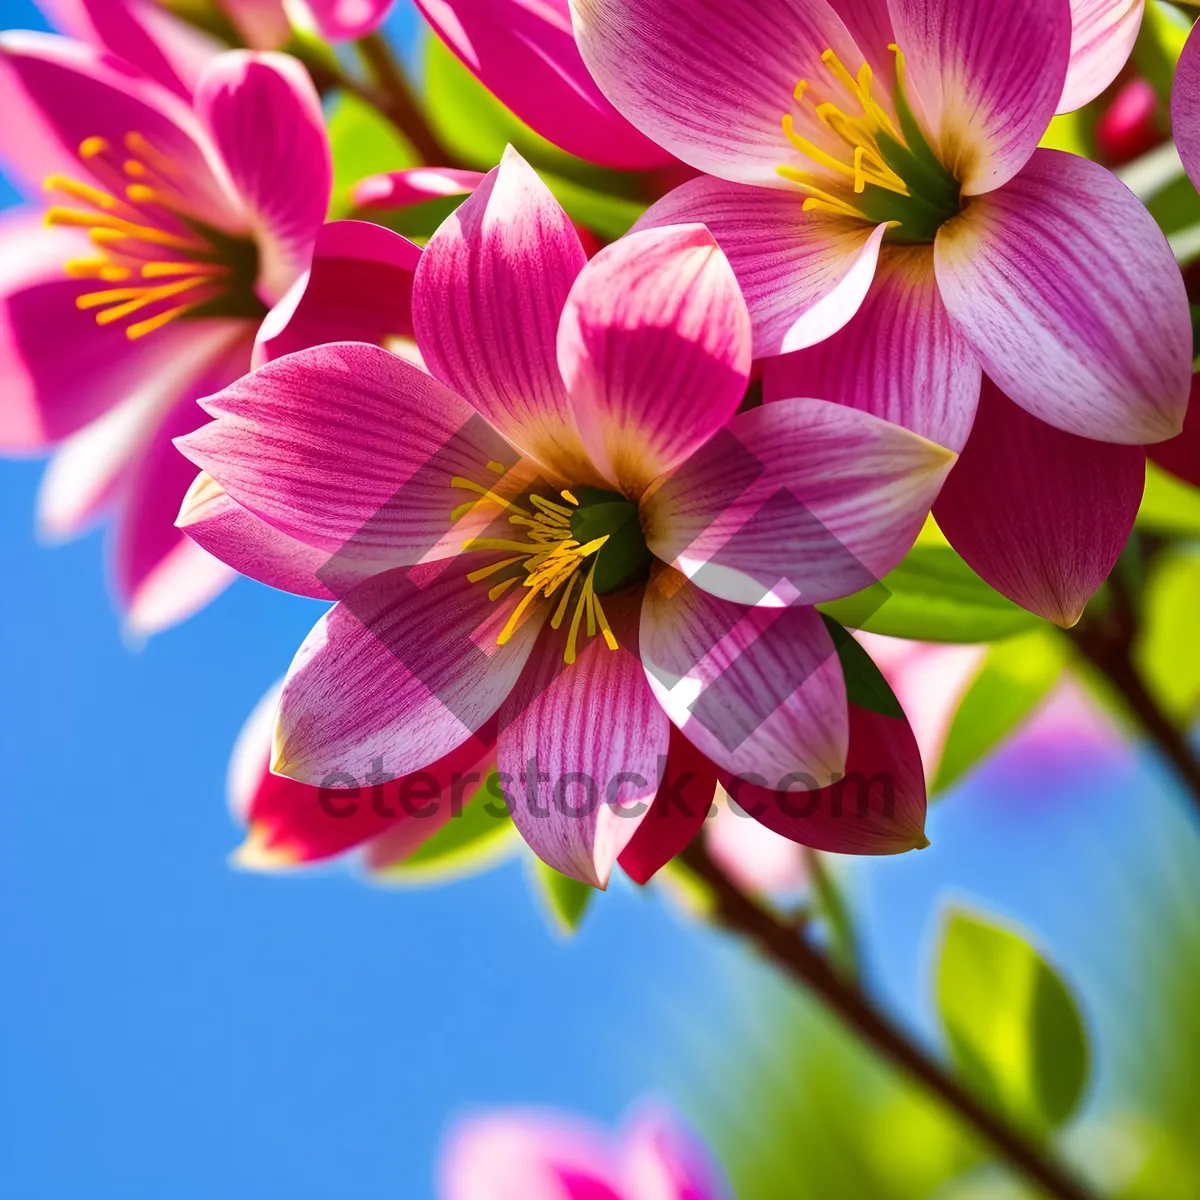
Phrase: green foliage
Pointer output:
(1169, 506)
(482, 836)
(1014, 1031)
(1016, 676)
(865, 684)
(362, 143)
(1167, 652)
(564, 900)
(932, 596)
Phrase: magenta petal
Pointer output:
(665, 1160)
(396, 675)
(264, 115)
(1185, 106)
(524, 52)
(399, 189)
(803, 275)
(1181, 455)
(878, 808)
(677, 813)
(988, 75)
(581, 750)
(900, 357)
(1042, 515)
(342, 20)
(489, 292)
(758, 690)
(801, 498)
(1102, 38)
(1071, 297)
(654, 348)
(358, 289)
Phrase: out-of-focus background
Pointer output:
(173, 1027)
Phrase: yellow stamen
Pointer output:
(141, 328)
(569, 497)
(159, 270)
(92, 147)
(96, 268)
(484, 572)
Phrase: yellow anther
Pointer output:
(92, 147)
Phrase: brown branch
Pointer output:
(740, 913)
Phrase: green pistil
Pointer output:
(625, 557)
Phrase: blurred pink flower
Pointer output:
(177, 234)
(533, 1155)
(592, 406)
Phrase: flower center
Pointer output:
(575, 548)
(163, 262)
(869, 165)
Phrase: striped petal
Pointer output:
(1070, 296)
(1102, 36)
(1185, 106)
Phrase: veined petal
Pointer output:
(396, 675)
(581, 750)
(264, 115)
(654, 348)
(677, 814)
(415, 185)
(358, 289)
(803, 275)
(488, 296)
(712, 79)
(900, 357)
(1042, 515)
(523, 51)
(877, 808)
(1102, 37)
(1071, 297)
(801, 498)
(1185, 106)
(351, 450)
(870, 24)
(759, 691)
(988, 75)
(342, 20)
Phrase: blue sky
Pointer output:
(172, 1028)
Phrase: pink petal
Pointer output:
(665, 1160)
(1042, 515)
(341, 20)
(398, 674)
(1181, 455)
(677, 813)
(798, 498)
(264, 115)
(489, 293)
(654, 347)
(348, 449)
(1185, 106)
(870, 24)
(758, 691)
(56, 93)
(399, 189)
(358, 289)
(1071, 297)
(524, 52)
(878, 808)
(159, 576)
(711, 79)
(528, 1156)
(1102, 37)
(291, 823)
(753, 857)
(900, 357)
(803, 274)
(581, 751)
(263, 24)
(988, 74)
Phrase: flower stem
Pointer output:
(397, 101)
(739, 912)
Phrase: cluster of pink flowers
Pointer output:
(575, 506)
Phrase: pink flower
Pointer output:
(523, 51)
(890, 219)
(531, 1155)
(1185, 106)
(175, 235)
(565, 529)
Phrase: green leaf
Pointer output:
(564, 899)
(362, 143)
(932, 596)
(480, 837)
(1160, 42)
(1016, 676)
(1169, 506)
(1014, 1030)
(1167, 652)
(865, 684)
